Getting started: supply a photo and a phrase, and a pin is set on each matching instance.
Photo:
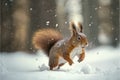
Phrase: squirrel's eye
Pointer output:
(78, 38)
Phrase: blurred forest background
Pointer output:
(19, 19)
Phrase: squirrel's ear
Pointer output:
(73, 28)
(80, 27)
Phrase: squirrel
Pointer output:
(59, 49)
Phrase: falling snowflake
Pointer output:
(47, 22)
(56, 25)
(31, 9)
(90, 16)
(66, 22)
(89, 24)
(55, 15)
(116, 39)
(96, 8)
(6, 4)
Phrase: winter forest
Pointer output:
(20, 19)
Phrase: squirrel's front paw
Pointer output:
(79, 60)
(70, 63)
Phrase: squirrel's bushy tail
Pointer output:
(44, 39)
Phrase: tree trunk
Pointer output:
(115, 5)
(62, 22)
(6, 29)
(105, 22)
(21, 25)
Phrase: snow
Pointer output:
(91, 17)
(31, 9)
(6, 4)
(116, 39)
(56, 25)
(66, 22)
(47, 22)
(96, 8)
(55, 15)
(89, 24)
(102, 63)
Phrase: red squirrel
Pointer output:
(59, 49)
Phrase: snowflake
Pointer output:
(89, 24)
(116, 39)
(6, 4)
(31, 9)
(47, 22)
(56, 25)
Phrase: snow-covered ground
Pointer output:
(102, 63)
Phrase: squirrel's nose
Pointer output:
(84, 45)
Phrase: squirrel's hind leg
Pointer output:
(68, 59)
(60, 65)
(53, 62)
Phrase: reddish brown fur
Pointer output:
(80, 27)
(45, 38)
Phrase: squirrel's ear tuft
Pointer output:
(80, 27)
(73, 28)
